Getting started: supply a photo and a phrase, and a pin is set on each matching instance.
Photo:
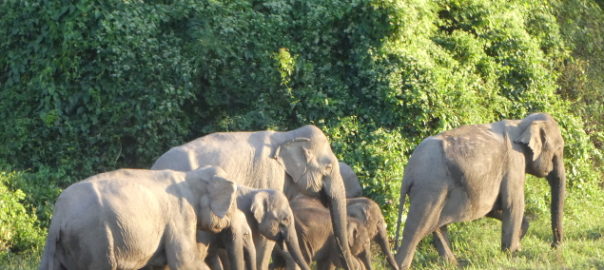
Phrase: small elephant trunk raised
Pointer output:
(557, 182)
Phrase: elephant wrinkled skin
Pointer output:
(296, 161)
(478, 170)
(129, 218)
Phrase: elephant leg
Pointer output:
(215, 262)
(226, 260)
(442, 244)
(498, 214)
(264, 250)
(422, 219)
(512, 204)
(182, 253)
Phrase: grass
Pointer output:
(21, 261)
(476, 244)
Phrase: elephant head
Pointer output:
(358, 235)
(314, 169)
(217, 203)
(275, 220)
(544, 148)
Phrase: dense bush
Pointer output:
(19, 230)
(582, 79)
(89, 86)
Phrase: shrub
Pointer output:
(19, 230)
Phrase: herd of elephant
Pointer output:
(282, 200)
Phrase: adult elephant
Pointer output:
(296, 161)
(477, 170)
(129, 218)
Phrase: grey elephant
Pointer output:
(351, 181)
(368, 212)
(296, 161)
(478, 170)
(271, 220)
(129, 218)
(316, 237)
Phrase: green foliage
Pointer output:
(90, 86)
(41, 191)
(103, 81)
(582, 80)
(19, 230)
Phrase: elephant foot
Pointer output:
(450, 260)
(511, 249)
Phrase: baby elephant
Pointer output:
(128, 218)
(316, 238)
(370, 215)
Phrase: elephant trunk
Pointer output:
(382, 239)
(334, 189)
(557, 182)
(291, 239)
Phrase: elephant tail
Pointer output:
(404, 191)
(50, 260)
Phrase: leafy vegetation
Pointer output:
(19, 230)
(89, 86)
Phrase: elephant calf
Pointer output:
(129, 218)
(316, 236)
(370, 215)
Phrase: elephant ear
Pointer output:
(294, 155)
(533, 136)
(259, 206)
(222, 193)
